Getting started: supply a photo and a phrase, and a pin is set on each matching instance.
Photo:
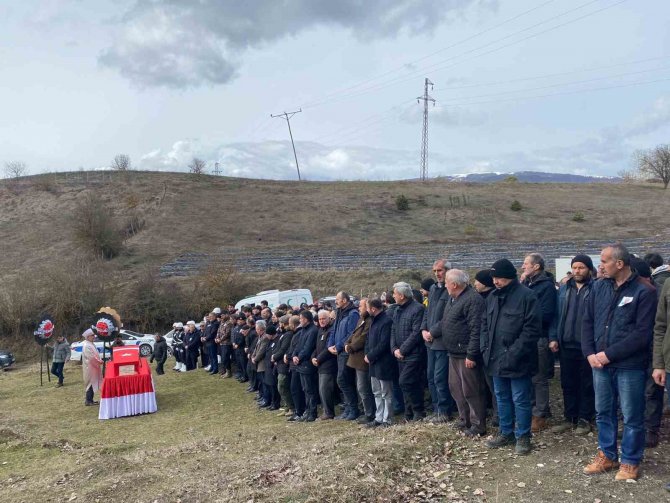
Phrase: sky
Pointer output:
(572, 86)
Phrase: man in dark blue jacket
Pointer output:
(208, 339)
(437, 368)
(542, 284)
(616, 339)
(566, 340)
(511, 326)
(406, 344)
(383, 366)
(302, 359)
(344, 325)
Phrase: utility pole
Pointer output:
(217, 171)
(424, 135)
(287, 117)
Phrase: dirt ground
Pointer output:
(208, 442)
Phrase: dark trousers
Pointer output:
(241, 360)
(89, 394)
(577, 385)
(226, 357)
(468, 387)
(251, 373)
(398, 398)
(411, 383)
(438, 375)
(159, 367)
(204, 360)
(57, 370)
(654, 409)
(212, 356)
(346, 380)
(309, 385)
(191, 359)
(327, 392)
(260, 378)
(284, 385)
(297, 393)
(491, 395)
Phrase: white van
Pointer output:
(274, 297)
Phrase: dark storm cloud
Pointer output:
(179, 43)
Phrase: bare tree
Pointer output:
(197, 166)
(15, 169)
(121, 162)
(655, 162)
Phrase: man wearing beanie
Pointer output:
(511, 327)
(566, 340)
(542, 285)
(484, 283)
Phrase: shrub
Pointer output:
(511, 179)
(516, 206)
(578, 217)
(402, 203)
(95, 229)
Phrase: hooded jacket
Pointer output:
(542, 284)
(356, 343)
(160, 350)
(344, 324)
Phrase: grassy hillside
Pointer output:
(45, 267)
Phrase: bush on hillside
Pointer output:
(402, 203)
(516, 206)
(95, 229)
(578, 217)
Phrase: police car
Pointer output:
(130, 338)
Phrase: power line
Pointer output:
(436, 66)
(287, 117)
(428, 56)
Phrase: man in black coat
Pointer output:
(191, 345)
(383, 366)
(159, 353)
(302, 358)
(326, 363)
(437, 367)
(209, 341)
(542, 284)
(238, 341)
(459, 332)
(511, 326)
(406, 343)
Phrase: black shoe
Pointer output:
(92, 402)
(373, 424)
(473, 433)
(364, 419)
(294, 417)
(500, 440)
(273, 407)
(523, 446)
(461, 426)
(310, 419)
(262, 404)
(344, 415)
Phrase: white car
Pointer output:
(144, 341)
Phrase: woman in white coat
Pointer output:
(91, 365)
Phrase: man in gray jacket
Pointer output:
(61, 355)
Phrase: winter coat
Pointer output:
(383, 364)
(542, 284)
(327, 360)
(258, 355)
(211, 329)
(460, 327)
(192, 341)
(237, 337)
(659, 276)
(620, 322)
(356, 343)
(662, 330)
(511, 327)
(305, 348)
(270, 377)
(225, 334)
(61, 352)
(567, 295)
(251, 340)
(295, 340)
(406, 331)
(281, 348)
(160, 351)
(344, 324)
(438, 298)
(177, 337)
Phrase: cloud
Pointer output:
(179, 44)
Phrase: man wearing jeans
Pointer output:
(437, 369)
(617, 331)
(511, 326)
(661, 363)
(346, 320)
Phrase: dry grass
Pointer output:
(209, 443)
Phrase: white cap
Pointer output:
(216, 310)
(191, 322)
(178, 324)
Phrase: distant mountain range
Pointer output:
(533, 177)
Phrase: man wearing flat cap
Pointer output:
(511, 326)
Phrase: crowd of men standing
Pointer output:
(485, 351)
